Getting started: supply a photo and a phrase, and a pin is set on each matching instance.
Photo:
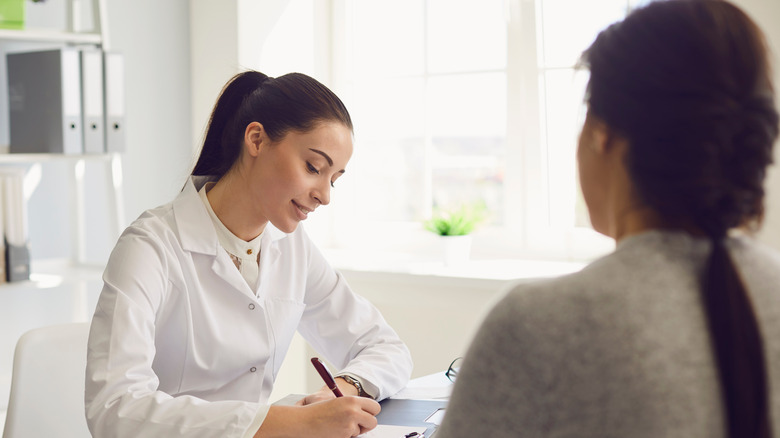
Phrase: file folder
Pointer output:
(114, 79)
(92, 101)
(44, 92)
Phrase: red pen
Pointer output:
(326, 376)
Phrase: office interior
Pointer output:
(178, 54)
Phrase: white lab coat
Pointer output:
(180, 345)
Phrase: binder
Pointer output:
(114, 79)
(12, 14)
(44, 91)
(15, 230)
(93, 121)
(3, 272)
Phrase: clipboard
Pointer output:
(410, 412)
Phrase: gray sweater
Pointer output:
(619, 349)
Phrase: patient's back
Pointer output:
(620, 349)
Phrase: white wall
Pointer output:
(155, 39)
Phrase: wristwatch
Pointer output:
(356, 383)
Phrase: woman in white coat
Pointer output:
(202, 296)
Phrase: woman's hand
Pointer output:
(341, 417)
(326, 394)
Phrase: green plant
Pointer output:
(458, 221)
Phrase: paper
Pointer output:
(436, 417)
(386, 431)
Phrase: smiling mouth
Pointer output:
(304, 211)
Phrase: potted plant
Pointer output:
(454, 226)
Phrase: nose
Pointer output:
(322, 194)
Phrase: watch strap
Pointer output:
(356, 383)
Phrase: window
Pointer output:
(461, 101)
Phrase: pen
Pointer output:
(326, 376)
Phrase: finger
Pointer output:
(311, 399)
(370, 406)
(367, 422)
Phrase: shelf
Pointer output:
(52, 274)
(43, 157)
(49, 36)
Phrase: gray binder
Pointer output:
(44, 91)
(114, 75)
(93, 121)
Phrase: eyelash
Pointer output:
(314, 170)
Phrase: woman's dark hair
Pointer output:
(293, 102)
(687, 83)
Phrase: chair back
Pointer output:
(47, 384)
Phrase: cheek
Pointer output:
(583, 171)
(588, 170)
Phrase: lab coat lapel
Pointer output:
(269, 255)
(225, 269)
(197, 235)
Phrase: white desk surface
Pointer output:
(431, 387)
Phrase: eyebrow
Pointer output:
(330, 161)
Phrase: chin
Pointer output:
(286, 226)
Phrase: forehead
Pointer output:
(332, 138)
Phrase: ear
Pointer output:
(603, 138)
(255, 138)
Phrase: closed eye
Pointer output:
(312, 169)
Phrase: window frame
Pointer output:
(527, 231)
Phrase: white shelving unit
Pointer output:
(97, 36)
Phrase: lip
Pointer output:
(301, 211)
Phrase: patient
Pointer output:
(674, 334)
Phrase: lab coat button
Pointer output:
(252, 370)
(249, 251)
(251, 306)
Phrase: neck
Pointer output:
(230, 201)
(642, 219)
(635, 221)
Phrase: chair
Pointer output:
(47, 385)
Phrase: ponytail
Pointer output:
(737, 345)
(215, 159)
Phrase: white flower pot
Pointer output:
(456, 249)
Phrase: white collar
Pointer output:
(232, 243)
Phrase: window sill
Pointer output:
(405, 264)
